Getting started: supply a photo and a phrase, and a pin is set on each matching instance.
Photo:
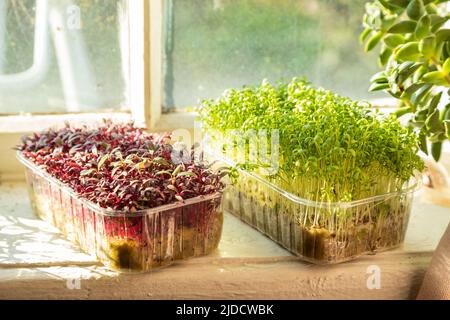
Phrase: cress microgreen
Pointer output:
(331, 148)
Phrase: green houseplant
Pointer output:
(343, 184)
(415, 54)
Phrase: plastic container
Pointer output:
(318, 232)
(124, 241)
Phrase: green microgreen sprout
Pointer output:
(331, 150)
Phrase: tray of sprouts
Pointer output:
(123, 195)
(326, 177)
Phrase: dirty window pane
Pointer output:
(60, 55)
(211, 45)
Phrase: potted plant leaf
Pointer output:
(414, 42)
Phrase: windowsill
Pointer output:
(175, 120)
(22, 124)
(247, 265)
(36, 261)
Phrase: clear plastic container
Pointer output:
(318, 232)
(124, 241)
(321, 232)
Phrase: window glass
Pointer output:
(211, 45)
(60, 55)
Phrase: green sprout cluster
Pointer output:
(331, 148)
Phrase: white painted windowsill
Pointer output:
(36, 263)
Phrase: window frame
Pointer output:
(144, 24)
(146, 77)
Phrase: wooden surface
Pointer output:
(37, 262)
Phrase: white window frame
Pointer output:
(145, 80)
(145, 91)
(146, 76)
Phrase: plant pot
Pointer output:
(321, 232)
(437, 180)
(124, 241)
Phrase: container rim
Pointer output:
(412, 185)
(107, 212)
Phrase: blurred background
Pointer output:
(209, 45)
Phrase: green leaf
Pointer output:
(406, 26)
(415, 9)
(423, 141)
(161, 161)
(446, 112)
(393, 40)
(378, 86)
(443, 35)
(430, 8)
(439, 48)
(423, 27)
(446, 66)
(446, 50)
(387, 5)
(427, 46)
(421, 93)
(379, 77)
(436, 149)
(405, 65)
(437, 22)
(419, 73)
(387, 22)
(394, 94)
(437, 137)
(433, 124)
(411, 90)
(373, 41)
(399, 3)
(421, 115)
(177, 170)
(415, 123)
(434, 77)
(102, 160)
(434, 102)
(402, 111)
(385, 54)
(407, 51)
(405, 74)
(363, 36)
